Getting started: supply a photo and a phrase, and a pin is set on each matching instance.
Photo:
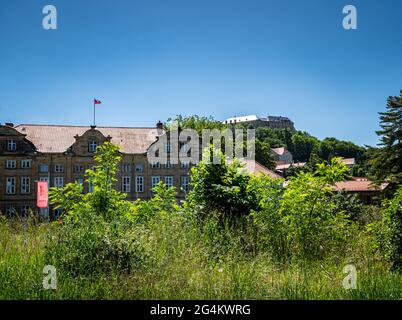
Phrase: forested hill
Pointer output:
(303, 146)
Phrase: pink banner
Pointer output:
(42, 195)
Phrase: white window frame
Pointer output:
(11, 164)
(139, 167)
(126, 167)
(155, 165)
(154, 181)
(10, 210)
(169, 181)
(25, 185)
(25, 210)
(139, 184)
(90, 186)
(26, 164)
(59, 168)
(11, 145)
(10, 185)
(57, 183)
(43, 165)
(126, 184)
(78, 166)
(44, 179)
(185, 165)
(92, 145)
(168, 164)
(185, 183)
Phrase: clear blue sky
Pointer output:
(149, 60)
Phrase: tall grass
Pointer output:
(184, 263)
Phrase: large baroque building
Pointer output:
(274, 122)
(62, 154)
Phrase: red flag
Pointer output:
(97, 101)
(42, 195)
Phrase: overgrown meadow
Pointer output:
(236, 236)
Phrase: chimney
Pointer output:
(159, 125)
(9, 124)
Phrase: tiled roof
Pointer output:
(358, 185)
(57, 139)
(256, 168)
(284, 166)
(348, 161)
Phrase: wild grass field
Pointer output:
(234, 237)
(178, 267)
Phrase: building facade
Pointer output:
(62, 154)
(274, 122)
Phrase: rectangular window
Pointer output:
(44, 179)
(126, 184)
(92, 146)
(58, 168)
(155, 164)
(90, 186)
(78, 168)
(10, 185)
(168, 147)
(91, 167)
(25, 210)
(58, 182)
(155, 180)
(11, 145)
(169, 181)
(25, 185)
(139, 184)
(184, 165)
(44, 212)
(126, 167)
(43, 168)
(25, 164)
(168, 165)
(10, 210)
(79, 180)
(139, 168)
(185, 183)
(11, 164)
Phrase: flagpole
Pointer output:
(94, 112)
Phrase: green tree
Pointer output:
(220, 187)
(104, 200)
(195, 122)
(263, 154)
(387, 159)
(303, 146)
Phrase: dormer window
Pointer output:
(92, 146)
(11, 145)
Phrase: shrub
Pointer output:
(300, 221)
(220, 188)
(97, 232)
(347, 203)
(387, 233)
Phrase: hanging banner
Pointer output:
(42, 195)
